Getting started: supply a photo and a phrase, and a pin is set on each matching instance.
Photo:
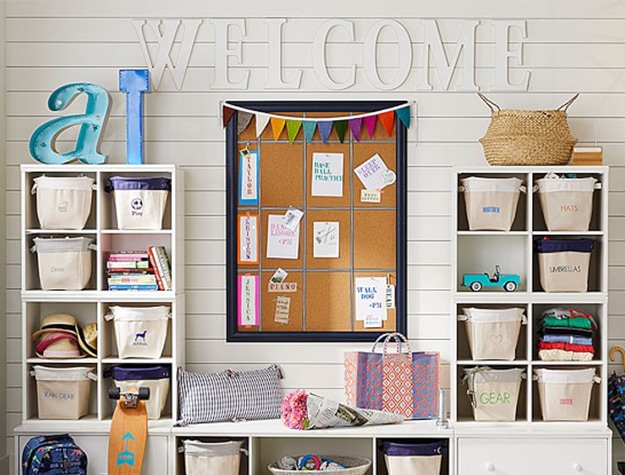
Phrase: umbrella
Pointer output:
(616, 394)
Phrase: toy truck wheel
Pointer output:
(509, 286)
(475, 286)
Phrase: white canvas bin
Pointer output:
(494, 393)
(63, 393)
(63, 202)
(212, 458)
(140, 202)
(565, 394)
(64, 263)
(140, 332)
(491, 203)
(493, 333)
(423, 458)
(566, 202)
(563, 265)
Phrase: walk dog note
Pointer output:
(327, 174)
(282, 242)
(370, 299)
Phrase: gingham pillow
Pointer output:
(229, 395)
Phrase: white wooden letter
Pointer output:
(404, 54)
(319, 55)
(434, 44)
(165, 41)
(274, 72)
(503, 55)
(223, 53)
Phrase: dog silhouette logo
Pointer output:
(140, 338)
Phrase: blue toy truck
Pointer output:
(475, 282)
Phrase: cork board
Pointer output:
(340, 240)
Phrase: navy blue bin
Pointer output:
(140, 201)
(154, 377)
(564, 264)
(423, 457)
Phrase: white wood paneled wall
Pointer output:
(3, 375)
(571, 46)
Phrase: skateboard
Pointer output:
(129, 431)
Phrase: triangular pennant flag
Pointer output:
(341, 127)
(227, 115)
(404, 116)
(355, 125)
(261, 122)
(292, 128)
(325, 127)
(277, 125)
(370, 124)
(309, 129)
(243, 120)
(387, 119)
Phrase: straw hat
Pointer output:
(56, 322)
(88, 338)
(58, 345)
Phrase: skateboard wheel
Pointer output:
(114, 393)
(144, 393)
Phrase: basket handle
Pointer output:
(492, 106)
(566, 105)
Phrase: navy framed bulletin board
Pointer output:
(316, 220)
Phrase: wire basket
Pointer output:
(355, 466)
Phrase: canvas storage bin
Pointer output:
(63, 393)
(494, 393)
(493, 333)
(63, 202)
(491, 203)
(566, 202)
(564, 263)
(64, 263)
(140, 332)
(140, 201)
(154, 377)
(565, 394)
(423, 457)
(212, 458)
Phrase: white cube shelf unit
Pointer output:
(514, 251)
(92, 304)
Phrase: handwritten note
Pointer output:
(283, 307)
(248, 239)
(249, 300)
(370, 298)
(282, 242)
(327, 174)
(248, 178)
(374, 174)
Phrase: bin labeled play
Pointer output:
(423, 457)
(566, 203)
(212, 458)
(140, 332)
(156, 378)
(565, 394)
(564, 263)
(493, 393)
(63, 393)
(493, 333)
(140, 202)
(64, 263)
(63, 202)
(491, 203)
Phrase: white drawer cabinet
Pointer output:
(536, 456)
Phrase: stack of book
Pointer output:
(130, 270)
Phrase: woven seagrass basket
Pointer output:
(528, 137)
(355, 466)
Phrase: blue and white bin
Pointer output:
(564, 263)
(424, 457)
(491, 203)
(156, 378)
(140, 202)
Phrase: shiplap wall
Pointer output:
(571, 46)
(3, 380)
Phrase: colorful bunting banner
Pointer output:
(341, 127)
(309, 129)
(292, 128)
(325, 127)
(277, 124)
(355, 126)
(227, 115)
(370, 124)
(261, 122)
(243, 120)
(404, 115)
(388, 120)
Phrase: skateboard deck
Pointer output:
(129, 430)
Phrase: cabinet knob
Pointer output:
(577, 467)
(490, 467)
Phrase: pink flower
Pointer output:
(295, 410)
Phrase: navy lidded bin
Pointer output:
(564, 264)
(423, 457)
(154, 377)
(140, 201)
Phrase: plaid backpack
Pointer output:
(53, 455)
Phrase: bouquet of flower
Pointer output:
(302, 410)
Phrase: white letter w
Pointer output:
(165, 42)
